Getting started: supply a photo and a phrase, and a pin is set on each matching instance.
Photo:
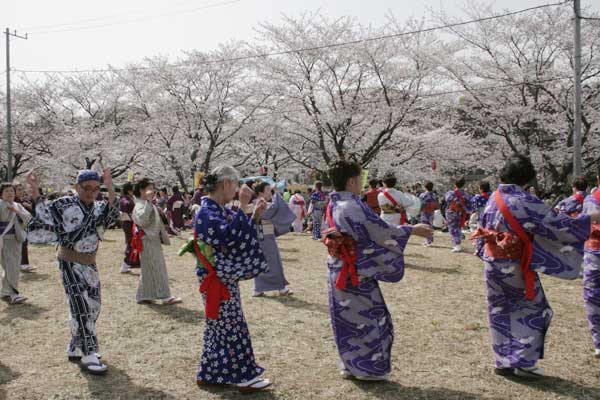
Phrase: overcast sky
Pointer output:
(189, 24)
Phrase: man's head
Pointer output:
(318, 185)
(373, 183)
(429, 186)
(579, 184)
(459, 182)
(346, 176)
(484, 187)
(389, 180)
(87, 185)
(517, 170)
(127, 189)
(175, 189)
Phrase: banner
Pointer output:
(198, 179)
(130, 176)
(365, 177)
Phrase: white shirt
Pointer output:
(403, 200)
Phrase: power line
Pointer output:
(189, 10)
(305, 49)
(433, 94)
(82, 21)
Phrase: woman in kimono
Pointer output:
(429, 203)
(458, 206)
(24, 200)
(317, 207)
(298, 207)
(275, 221)
(519, 236)
(149, 236)
(126, 205)
(478, 203)
(573, 204)
(13, 232)
(591, 271)
(363, 250)
(175, 209)
(228, 250)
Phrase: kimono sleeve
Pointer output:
(107, 213)
(143, 216)
(43, 227)
(280, 215)
(215, 230)
(380, 245)
(558, 239)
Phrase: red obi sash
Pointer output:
(212, 286)
(593, 243)
(528, 274)
(486, 195)
(398, 206)
(136, 244)
(499, 245)
(459, 207)
(343, 247)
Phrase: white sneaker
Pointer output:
(597, 353)
(285, 292)
(456, 249)
(124, 268)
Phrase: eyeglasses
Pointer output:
(91, 189)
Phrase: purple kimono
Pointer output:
(126, 205)
(275, 221)
(453, 218)
(175, 206)
(429, 202)
(362, 325)
(518, 326)
(573, 204)
(591, 278)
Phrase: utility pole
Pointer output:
(577, 99)
(9, 154)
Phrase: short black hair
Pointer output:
(163, 190)
(126, 188)
(579, 183)
(319, 185)
(341, 171)
(389, 179)
(373, 183)
(484, 186)
(517, 170)
(175, 189)
(6, 185)
(429, 186)
(459, 182)
(260, 187)
(141, 185)
(297, 192)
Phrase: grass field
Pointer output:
(441, 349)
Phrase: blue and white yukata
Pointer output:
(77, 227)
(591, 272)
(362, 325)
(518, 326)
(227, 356)
(317, 205)
(456, 213)
(429, 203)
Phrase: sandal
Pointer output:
(285, 292)
(146, 302)
(255, 385)
(87, 367)
(529, 373)
(77, 359)
(18, 299)
(171, 300)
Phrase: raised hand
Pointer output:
(32, 181)
(422, 230)
(245, 195)
(260, 207)
(107, 178)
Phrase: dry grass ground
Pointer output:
(441, 349)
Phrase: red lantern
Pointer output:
(433, 165)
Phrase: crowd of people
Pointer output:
(365, 230)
